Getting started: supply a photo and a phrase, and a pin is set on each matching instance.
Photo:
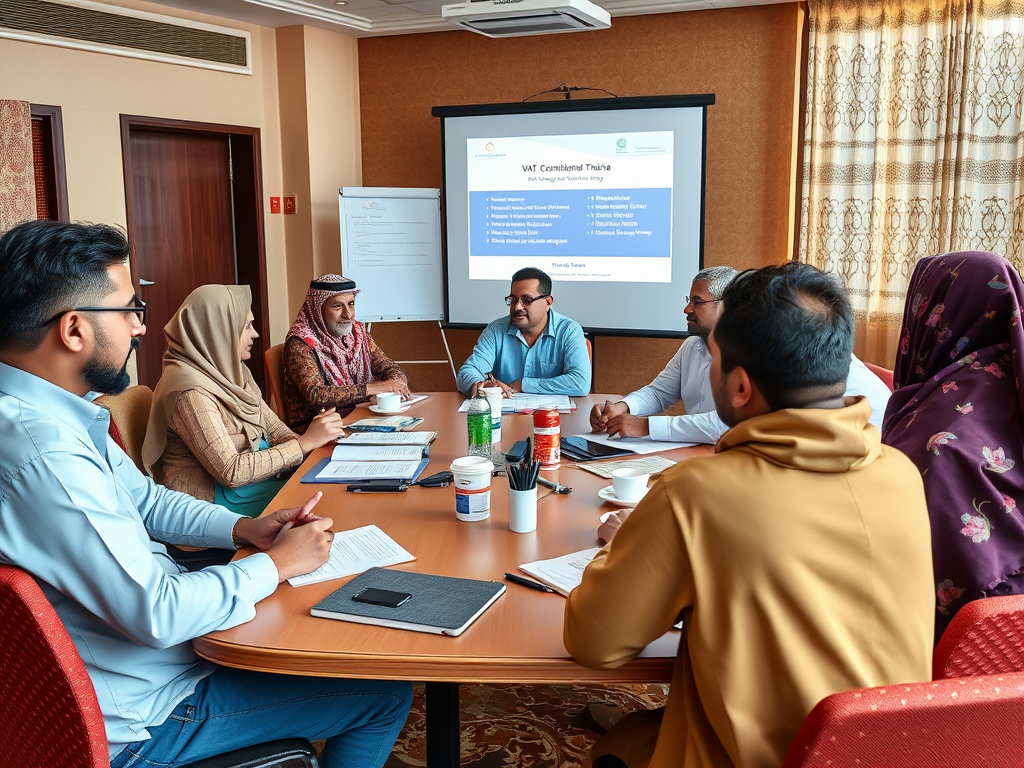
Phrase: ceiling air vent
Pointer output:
(124, 32)
(518, 18)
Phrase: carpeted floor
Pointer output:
(535, 726)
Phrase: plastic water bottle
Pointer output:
(478, 418)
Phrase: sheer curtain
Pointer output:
(17, 181)
(912, 145)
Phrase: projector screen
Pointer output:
(605, 195)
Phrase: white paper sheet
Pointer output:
(369, 470)
(356, 551)
(388, 438)
(561, 573)
(522, 401)
(641, 445)
(343, 452)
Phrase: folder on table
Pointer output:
(441, 605)
(344, 472)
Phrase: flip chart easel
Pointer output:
(391, 247)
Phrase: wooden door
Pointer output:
(193, 196)
(184, 232)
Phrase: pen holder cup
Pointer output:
(522, 510)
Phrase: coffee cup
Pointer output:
(629, 484)
(472, 481)
(389, 401)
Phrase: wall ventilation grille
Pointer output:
(126, 32)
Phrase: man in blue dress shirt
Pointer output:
(534, 349)
(77, 515)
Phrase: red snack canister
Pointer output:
(546, 437)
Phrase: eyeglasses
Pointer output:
(697, 300)
(526, 300)
(138, 309)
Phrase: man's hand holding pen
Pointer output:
(491, 381)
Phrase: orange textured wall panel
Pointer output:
(747, 57)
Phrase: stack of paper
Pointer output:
(388, 438)
(356, 462)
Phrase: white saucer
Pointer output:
(608, 494)
(378, 409)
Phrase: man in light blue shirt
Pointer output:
(77, 515)
(533, 350)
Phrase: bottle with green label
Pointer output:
(478, 419)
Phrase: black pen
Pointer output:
(527, 583)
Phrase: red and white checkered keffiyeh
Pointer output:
(344, 358)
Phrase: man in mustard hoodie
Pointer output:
(798, 555)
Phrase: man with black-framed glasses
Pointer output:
(534, 349)
(78, 515)
(687, 379)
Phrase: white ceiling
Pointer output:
(372, 18)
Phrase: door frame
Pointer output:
(248, 184)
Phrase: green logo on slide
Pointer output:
(621, 143)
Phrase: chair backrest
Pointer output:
(129, 416)
(883, 373)
(985, 637)
(969, 721)
(49, 714)
(273, 358)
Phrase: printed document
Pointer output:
(562, 574)
(641, 445)
(356, 551)
(388, 438)
(377, 452)
(369, 470)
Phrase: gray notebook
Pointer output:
(442, 605)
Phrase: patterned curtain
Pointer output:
(912, 145)
(17, 182)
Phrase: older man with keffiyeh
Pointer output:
(330, 361)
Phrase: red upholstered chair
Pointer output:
(49, 715)
(969, 721)
(985, 637)
(883, 373)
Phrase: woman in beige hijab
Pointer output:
(210, 433)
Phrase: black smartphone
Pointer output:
(384, 597)
(517, 453)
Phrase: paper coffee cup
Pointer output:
(472, 481)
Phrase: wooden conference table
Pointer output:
(518, 639)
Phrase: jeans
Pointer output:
(235, 708)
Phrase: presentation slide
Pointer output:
(582, 207)
(605, 195)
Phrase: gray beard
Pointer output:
(341, 330)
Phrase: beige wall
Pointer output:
(319, 75)
(94, 89)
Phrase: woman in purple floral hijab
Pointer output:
(957, 413)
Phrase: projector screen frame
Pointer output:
(703, 100)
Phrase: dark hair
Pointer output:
(532, 273)
(49, 266)
(790, 327)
